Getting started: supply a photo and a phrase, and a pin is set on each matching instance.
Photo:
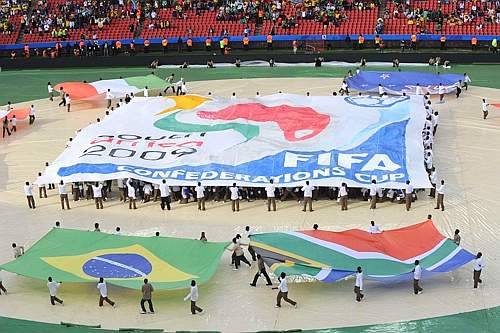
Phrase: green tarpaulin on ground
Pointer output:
(84, 256)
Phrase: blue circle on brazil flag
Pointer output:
(118, 266)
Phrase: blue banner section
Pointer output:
(262, 38)
(381, 157)
(399, 82)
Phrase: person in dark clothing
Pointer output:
(261, 271)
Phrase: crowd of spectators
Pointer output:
(283, 13)
(57, 19)
(452, 13)
(10, 9)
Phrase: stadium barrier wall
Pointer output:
(276, 38)
(144, 60)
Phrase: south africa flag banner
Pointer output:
(84, 256)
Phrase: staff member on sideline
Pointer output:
(478, 267)
(200, 196)
(193, 297)
(343, 196)
(164, 195)
(408, 195)
(103, 293)
(235, 198)
(53, 287)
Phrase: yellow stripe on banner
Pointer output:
(289, 254)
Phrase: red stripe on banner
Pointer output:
(403, 243)
(77, 90)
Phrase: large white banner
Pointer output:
(289, 138)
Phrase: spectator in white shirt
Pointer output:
(308, 193)
(484, 107)
(193, 297)
(358, 286)
(97, 192)
(478, 267)
(235, 198)
(271, 196)
(441, 92)
(283, 292)
(131, 194)
(373, 194)
(164, 195)
(103, 293)
(408, 195)
(18, 250)
(53, 287)
(440, 198)
(63, 194)
(417, 274)
(343, 196)
(200, 196)
(28, 191)
(373, 228)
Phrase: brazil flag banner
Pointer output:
(85, 256)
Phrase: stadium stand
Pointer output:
(12, 17)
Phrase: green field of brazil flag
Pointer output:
(85, 256)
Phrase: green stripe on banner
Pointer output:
(338, 260)
(151, 81)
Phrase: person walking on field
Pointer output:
(271, 196)
(478, 267)
(103, 293)
(283, 292)
(358, 286)
(417, 274)
(193, 297)
(28, 191)
(408, 195)
(484, 106)
(343, 196)
(440, 196)
(239, 255)
(308, 193)
(147, 290)
(53, 287)
(261, 271)
(68, 102)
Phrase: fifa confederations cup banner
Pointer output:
(288, 138)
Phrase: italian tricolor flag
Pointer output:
(118, 87)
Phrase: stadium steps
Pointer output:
(20, 37)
